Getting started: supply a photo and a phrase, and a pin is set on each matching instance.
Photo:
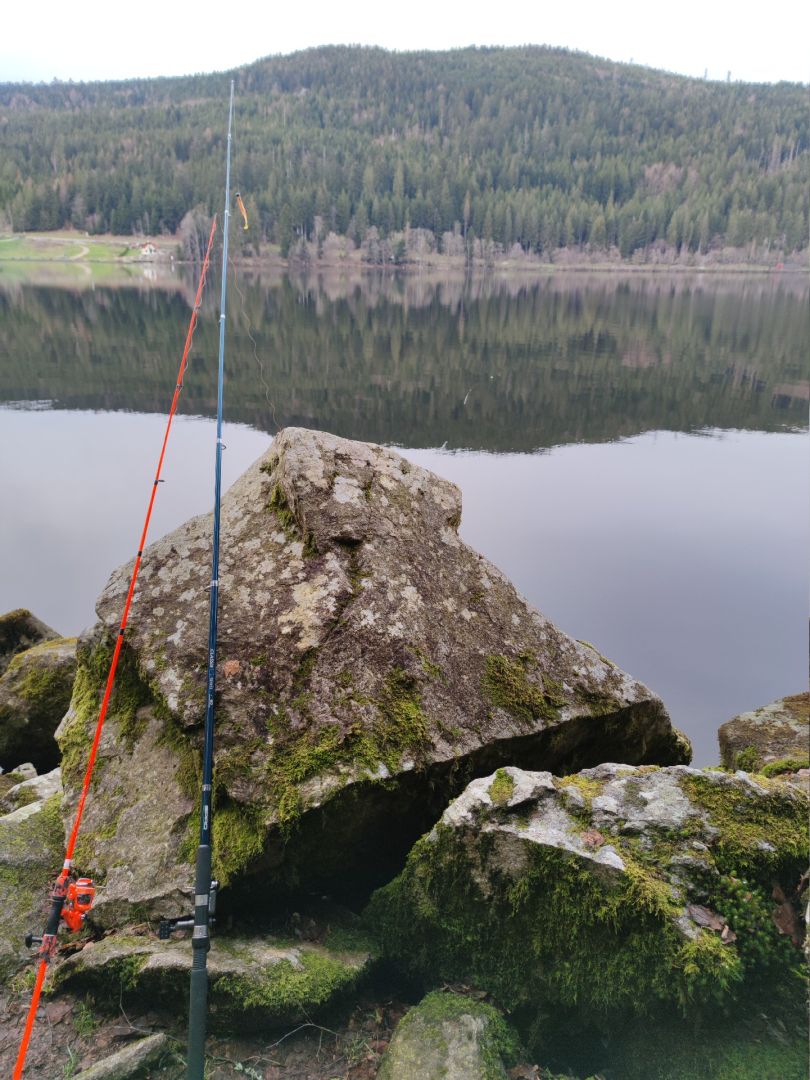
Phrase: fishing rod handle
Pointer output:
(200, 944)
(195, 1061)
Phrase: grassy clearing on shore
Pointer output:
(79, 247)
(74, 260)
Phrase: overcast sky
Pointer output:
(757, 41)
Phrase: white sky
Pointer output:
(89, 39)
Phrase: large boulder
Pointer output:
(584, 902)
(450, 1036)
(370, 662)
(34, 695)
(773, 739)
(19, 630)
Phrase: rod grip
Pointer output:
(200, 943)
(198, 1002)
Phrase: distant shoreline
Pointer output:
(101, 256)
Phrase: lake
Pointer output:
(631, 450)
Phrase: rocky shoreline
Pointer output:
(422, 787)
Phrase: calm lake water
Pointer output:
(631, 452)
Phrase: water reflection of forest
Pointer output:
(489, 363)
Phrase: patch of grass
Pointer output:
(85, 1020)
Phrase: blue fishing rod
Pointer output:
(204, 887)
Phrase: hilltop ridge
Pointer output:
(512, 149)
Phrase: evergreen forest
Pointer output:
(474, 151)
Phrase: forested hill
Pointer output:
(532, 146)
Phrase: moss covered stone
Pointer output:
(589, 903)
(253, 981)
(143, 793)
(451, 1036)
(34, 695)
(19, 631)
(778, 732)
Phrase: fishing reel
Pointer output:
(79, 899)
(168, 926)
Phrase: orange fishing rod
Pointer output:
(64, 891)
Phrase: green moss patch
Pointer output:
(251, 981)
(506, 685)
(400, 727)
(284, 990)
(502, 788)
(129, 695)
(758, 834)
(785, 765)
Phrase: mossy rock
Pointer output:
(31, 852)
(34, 695)
(20, 630)
(585, 902)
(773, 739)
(253, 982)
(450, 1036)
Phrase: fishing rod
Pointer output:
(204, 887)
(71, 900)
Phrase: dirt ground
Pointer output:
(71, 1034)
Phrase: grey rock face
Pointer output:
(19, 630)
(368, 657)
(779, 732)
(35, 692)
(452, 1037)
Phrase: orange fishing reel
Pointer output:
(79, 900)
(79, 897)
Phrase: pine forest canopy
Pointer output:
(533, 146)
